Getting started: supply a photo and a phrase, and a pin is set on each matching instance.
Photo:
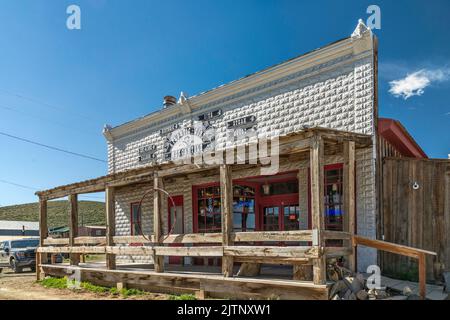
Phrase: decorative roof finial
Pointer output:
(107, 128)
(182, 98)
(360, 29)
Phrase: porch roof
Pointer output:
(289, 144)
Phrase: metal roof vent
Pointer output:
(169, 101)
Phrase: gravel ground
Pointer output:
(23, 286)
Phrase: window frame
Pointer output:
(132, 204)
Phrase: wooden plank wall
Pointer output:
(419, 218)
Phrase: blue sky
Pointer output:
(60, 86)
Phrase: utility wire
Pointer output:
(36, 189)
(51, 147)
(17, 185)
(48, 105)
(65, 126)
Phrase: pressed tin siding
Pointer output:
(337, 94)
(339, 99)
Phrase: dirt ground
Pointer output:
(23, 286)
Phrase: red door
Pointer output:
(175, 223)
(280, 213)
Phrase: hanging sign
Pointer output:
(169, 129)
(242, 123)
(210, 115)
(147, 153)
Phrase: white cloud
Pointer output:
(414, 84)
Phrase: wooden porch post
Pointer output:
(349, 198)
(226, 194)
(317, 205)
(157, 222)
(73, 227)
(42, 258)
(422, 276)
(110, 225)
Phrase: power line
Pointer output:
(48, 105)
(51, 147)
(18, 185)
(65, 126)
(36, 189)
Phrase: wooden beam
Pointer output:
(271, 251)
(43, 234)
(73, 226)
(110, 225)
(391, 247)
(269, 260)
(336, 235)
(422, 276)
(349, 198)
(294, 235)
(158, 261)
(292, 254)
(214, 285)
(317, 203)
(226, 194)
(275, 236)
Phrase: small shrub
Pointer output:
(93, 288)
(182, 297)
(62, 283)
(131, 292)
(57, 283)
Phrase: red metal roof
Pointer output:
(397, 135)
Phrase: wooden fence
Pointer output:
(415, 211)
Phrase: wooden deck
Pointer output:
(273, 283)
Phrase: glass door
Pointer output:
(291, 217)
(271, 218)
(176, 224)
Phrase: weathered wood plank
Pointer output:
(391, 247)
(213, 285)
(73, 226)
(317, 205)
(422, 276)
(297, 235)
(271, 251)
(226, 195)
(416, 217)
(110, 225)
(269, 260)
(158, 184)
(77, 241)
(43, 227)
(336, 235)
(349, 197)
(296, 253)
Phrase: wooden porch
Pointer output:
(310, 259)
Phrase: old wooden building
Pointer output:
(278, 170)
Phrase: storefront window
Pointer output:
(209, 210)
(271, 218)
(244, 208)
(333, 199)
(209, 215)
(135, 219)
(291, 217)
